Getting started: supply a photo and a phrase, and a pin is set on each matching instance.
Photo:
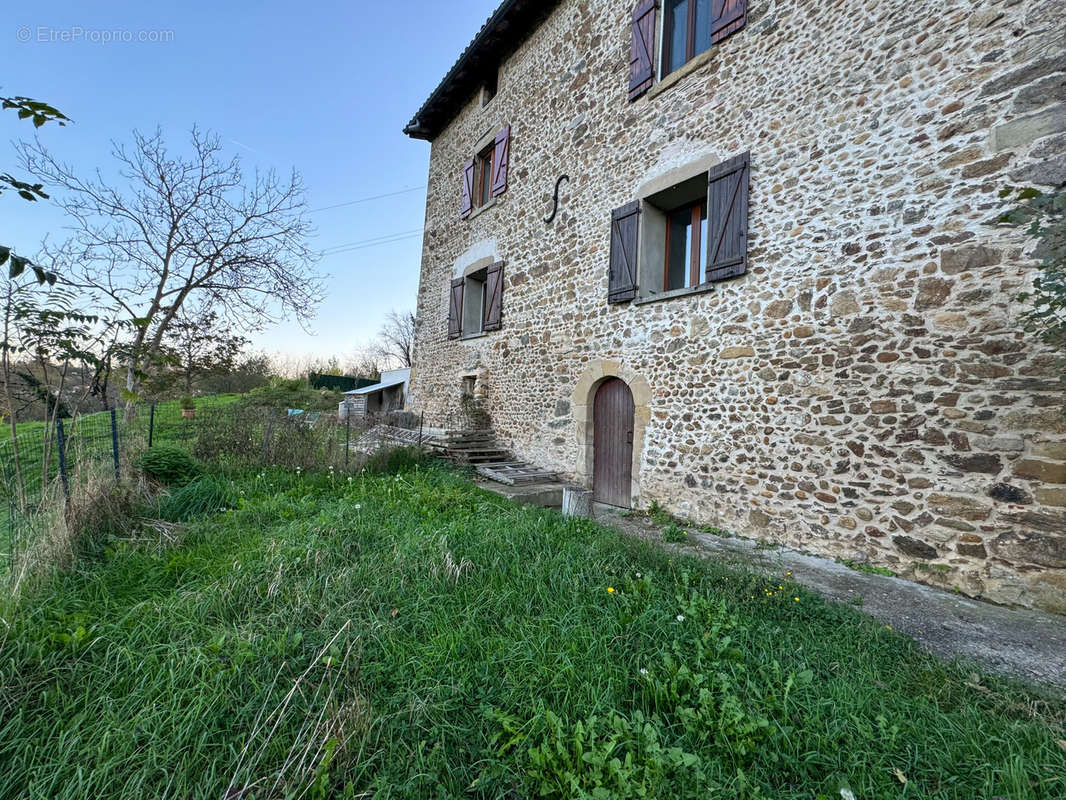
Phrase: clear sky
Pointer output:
(324, 86)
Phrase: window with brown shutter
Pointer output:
(493, 297)
(455, 309)
(727, 218)
(485, 175)
(622, 278)
(475, 303)
(501, 155)
(467, 207)
(727, 17)
(642, 49)
(690, 27)
(691, 235)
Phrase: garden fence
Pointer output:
(45, 464)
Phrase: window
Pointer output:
(491, 86)
(485, 175)
(475, 302)
(673, 238)
(683, 238)
(688, 28)
(686, 32)
(686, 258)
(468, 385)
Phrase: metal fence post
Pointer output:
(61, 442)
(347, 435)
(151, 424)
(421, 422)
(114, 443)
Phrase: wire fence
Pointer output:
(46, 464)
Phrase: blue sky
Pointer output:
(323, 86)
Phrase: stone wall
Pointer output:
(866, 390)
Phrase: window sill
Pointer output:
(703, 288)
(482, 209)
(469, 336)
(681, 73)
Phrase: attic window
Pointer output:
(490, 87)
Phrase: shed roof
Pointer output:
(377, 387)
(509, 26)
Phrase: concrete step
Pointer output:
(548, 494)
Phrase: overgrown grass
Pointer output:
(410, 636)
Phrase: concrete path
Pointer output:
(1024, 644)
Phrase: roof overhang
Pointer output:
(377, 387)
(509, 26)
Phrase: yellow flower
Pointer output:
(796, 599)
(610, 590)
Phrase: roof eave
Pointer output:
(497, 39)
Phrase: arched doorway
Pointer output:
(612, 443)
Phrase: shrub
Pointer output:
(257, 436)
(186, 403)
(281, 393)
(169, 465)
(207, 494)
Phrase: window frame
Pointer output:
(685, 195)
(484, 162)
(480, 278)
(696, 252)
(666, 36)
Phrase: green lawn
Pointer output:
(410, 636)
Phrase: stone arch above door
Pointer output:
(584, 394)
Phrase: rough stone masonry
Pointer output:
(866, 390)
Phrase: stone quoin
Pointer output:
(831, 357)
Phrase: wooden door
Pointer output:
(612, 444)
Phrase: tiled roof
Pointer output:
(501, 34)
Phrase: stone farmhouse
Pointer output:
(738, 257)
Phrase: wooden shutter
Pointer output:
(642, 50)
(622, 282)
(455, 309)
(727, 218)
(493, 298)
(727, 17)
(468, 189)
(501, 156)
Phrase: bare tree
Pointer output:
(364, 364)
(185, 229)
(396, 339)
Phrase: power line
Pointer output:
(364, 247)
(367, 199)
(371, 241)
(374, 243)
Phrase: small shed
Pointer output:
(389, 394)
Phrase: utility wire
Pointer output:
(372, 241)
(372, 244)
(375, 244)
(367, 199)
